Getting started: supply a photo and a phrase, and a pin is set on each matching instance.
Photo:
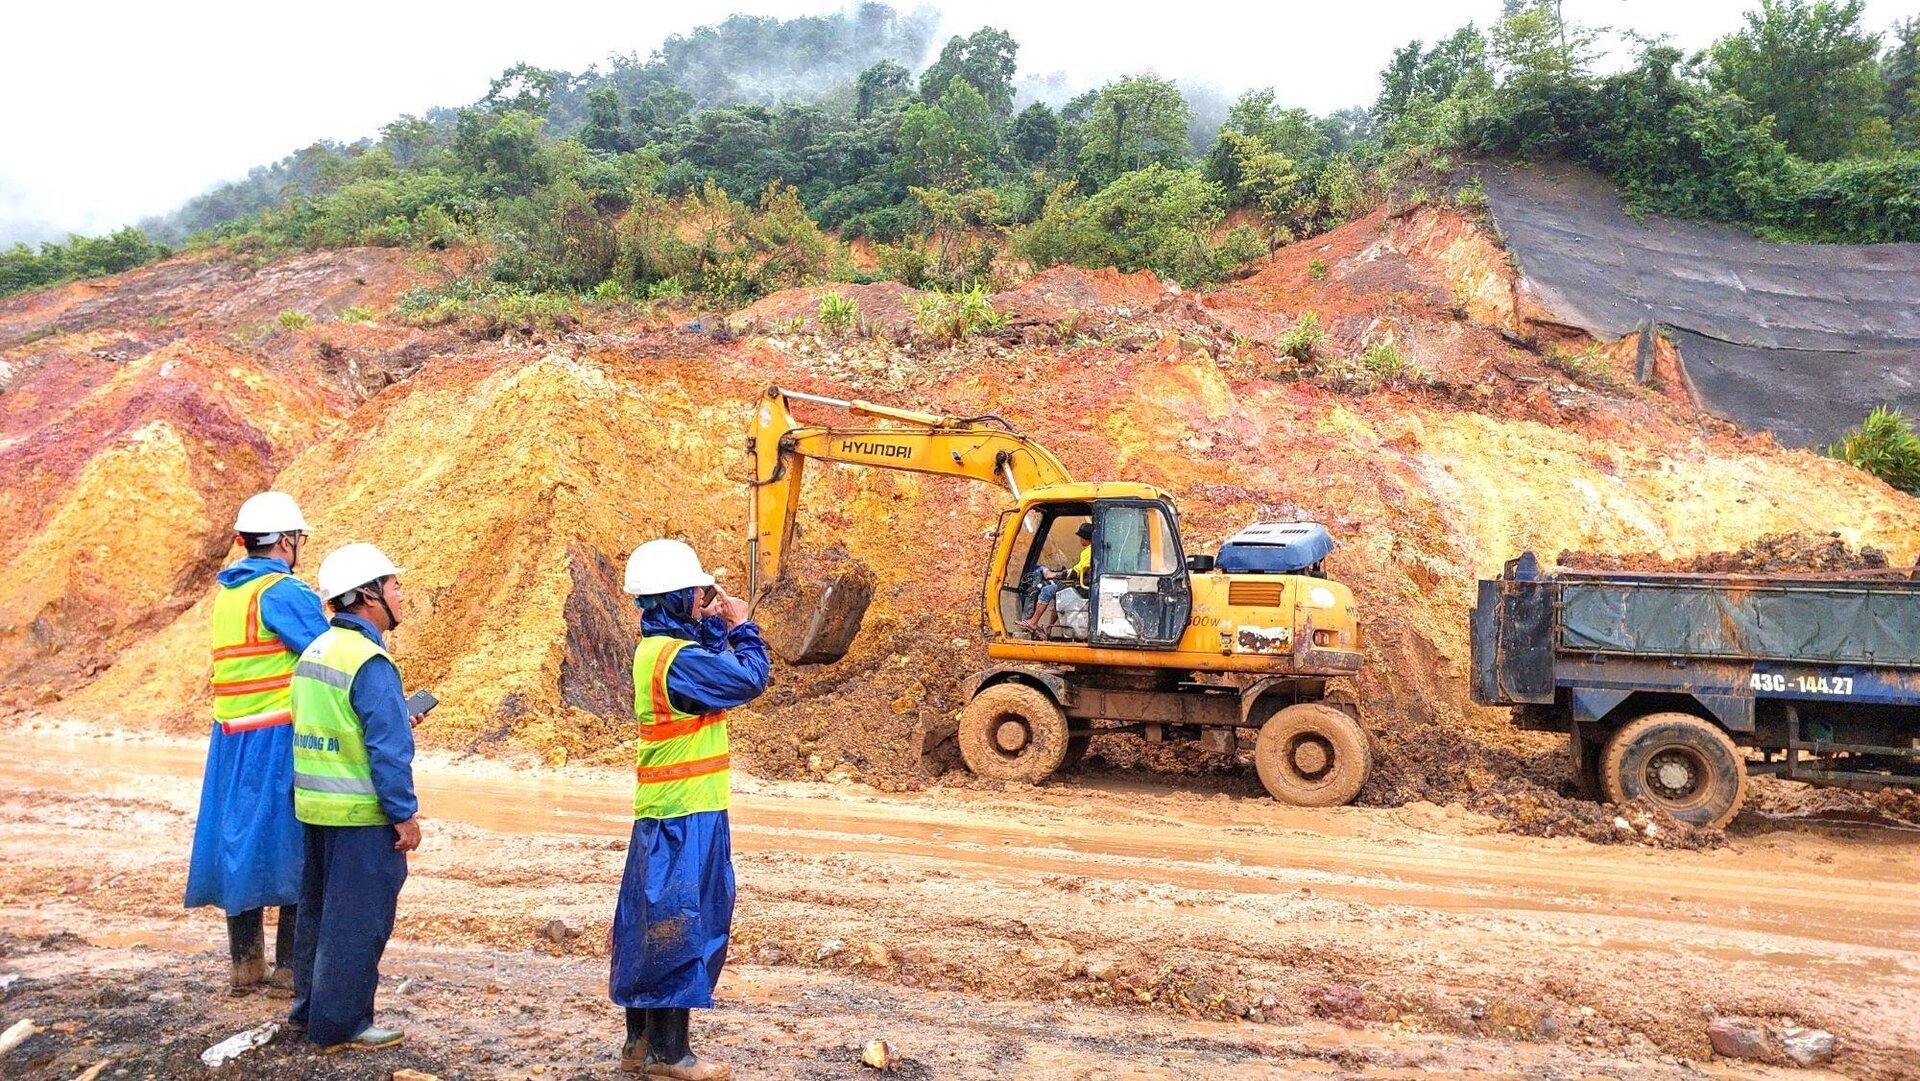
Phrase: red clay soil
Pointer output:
(1775, 553)
(510, 480)
(1063, 293)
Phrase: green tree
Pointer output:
(1155, 218)
(522, 88)
(1259, 136)
(1034, 133)
(1900, 70)
(1135, 122)
(1811, 67)
(604, 129)
(501, 149)
(407, 137)
(985, 59)
(1432, 75)
(877, 85)
(1544, 92)
(946, 145)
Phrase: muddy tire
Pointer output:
(1685, 766)
(1313, 755)
(1011, 732)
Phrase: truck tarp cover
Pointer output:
(1836, 625)
(1798, 339)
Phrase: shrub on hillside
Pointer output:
(1886, 446)
(1302, 341)
(24, 268)
(1155, 218)
(952, 317)
(723, 249)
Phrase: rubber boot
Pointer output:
(280, 982)
(633, 1053)
(670, 1056)
(247, 948)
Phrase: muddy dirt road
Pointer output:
(1098, 927)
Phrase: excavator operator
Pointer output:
(1042, 619)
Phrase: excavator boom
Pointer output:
(978, 448)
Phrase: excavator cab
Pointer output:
(1137, 595)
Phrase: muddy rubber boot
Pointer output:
(246, 946)
(670, 1056)
(280, 981)
(633, 1053)
(371, 1038)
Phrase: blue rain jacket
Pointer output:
(247, 850)
(674, 917)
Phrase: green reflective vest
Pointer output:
(680, 758)
(332, 780)
(252, 667)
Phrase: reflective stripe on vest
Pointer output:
(680, 759)
(332, 779)
(252, 667)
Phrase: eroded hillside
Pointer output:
(1438, 428)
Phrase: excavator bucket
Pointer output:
(811, 614)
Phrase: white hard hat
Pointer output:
(348, 568)
(662, 566)
(270, 512)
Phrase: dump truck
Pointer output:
(1162, 645)
(1673, 688)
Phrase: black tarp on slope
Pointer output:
(1798, 339)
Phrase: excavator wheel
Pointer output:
(1012, 732)
(1681, 764)
(1313, 755)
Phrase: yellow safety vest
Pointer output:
(680, 765)
(252, 667)
(332, 779)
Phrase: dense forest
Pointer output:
(759, 153)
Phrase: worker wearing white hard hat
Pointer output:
(698, 656)
(353, 793)
(247, 854)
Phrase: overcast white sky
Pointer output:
(116, 111)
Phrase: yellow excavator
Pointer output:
(1158, 643)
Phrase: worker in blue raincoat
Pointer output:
(246, 843)
(698, 656)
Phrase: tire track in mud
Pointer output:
(1127, 894)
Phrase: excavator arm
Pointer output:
(979, 448)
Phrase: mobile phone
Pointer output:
(421, 703)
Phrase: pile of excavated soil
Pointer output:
(511, 482)
(1066, 293)
(885, 307)
(1801, 552)
(118, 486)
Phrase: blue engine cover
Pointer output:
(1279, 548)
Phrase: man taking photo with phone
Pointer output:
(699, 655)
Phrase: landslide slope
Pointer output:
(1436, 430)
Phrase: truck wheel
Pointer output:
(1313, 755)
(1011, 732)
(1685, 766)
